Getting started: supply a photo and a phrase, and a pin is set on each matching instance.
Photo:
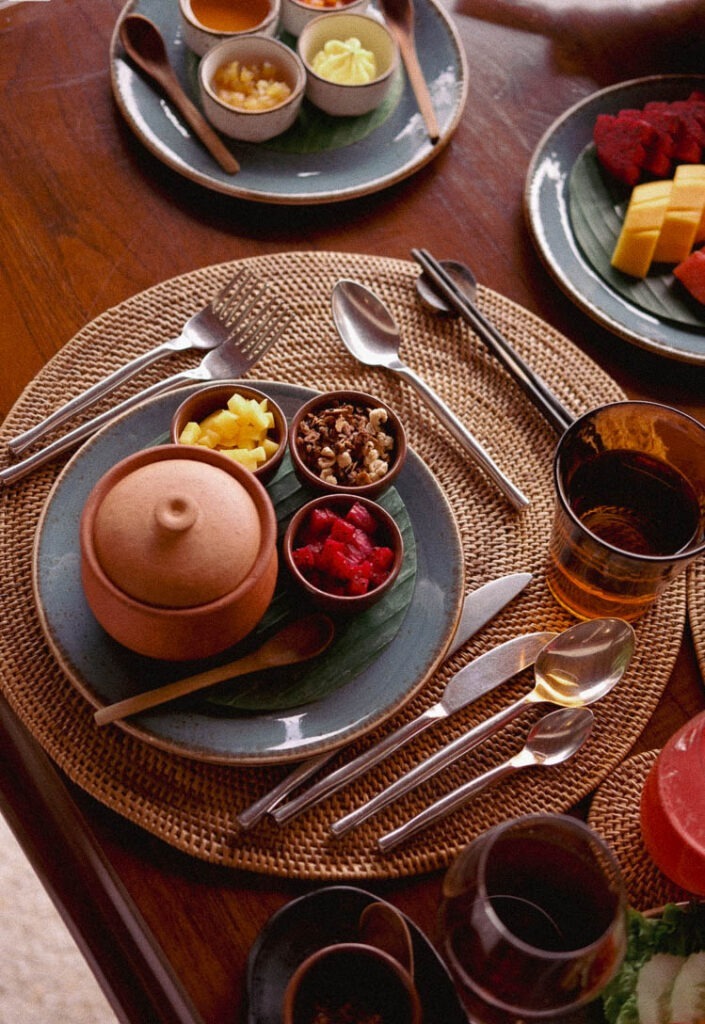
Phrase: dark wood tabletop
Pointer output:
(88, 218)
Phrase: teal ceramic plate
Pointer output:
(321, 159)
(547, 204)
(331, 915)
(105, 672)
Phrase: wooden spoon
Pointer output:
(381, 925)
(400, 16)
(298, 641)
(144, 44)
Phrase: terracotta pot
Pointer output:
(178, 552)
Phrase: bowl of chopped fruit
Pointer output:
(343, 551)
(347, 441)
(240, 422)
(251, 87)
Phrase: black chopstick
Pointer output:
(532, 385)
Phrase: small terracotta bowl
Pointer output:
(332, 589)
(247, 17)
(214, 398)
(178, 552)
(356, 976)
(296, 14)
(302, 444)
(260, 124)
(343, 99)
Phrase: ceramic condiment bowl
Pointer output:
(178, 552)
(213, 399)
(296, 14)
(252, 51)
(342, 99)
(354, 979)
(205, 24)
(335, 588)
(321, 416)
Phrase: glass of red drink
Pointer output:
(673, 808)
(630, 508)
(533, 920)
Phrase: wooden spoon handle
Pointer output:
(179, 688)
(198, 123)
(418, 84)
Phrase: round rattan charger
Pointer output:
(192, 805)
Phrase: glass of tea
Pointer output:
(672, 808)
(533, 920)
(630, 508)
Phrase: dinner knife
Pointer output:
(479, 677)
(479, 607)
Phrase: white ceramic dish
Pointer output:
(252, 125)
(343, 100)
(296, 14)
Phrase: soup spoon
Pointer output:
(297, 641)
(449, 287)
(369, 332)
(575, 669)
(144, 44)
(552, 740)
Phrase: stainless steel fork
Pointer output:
(204, 331)
(247, 343)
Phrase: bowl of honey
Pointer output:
(208, 22)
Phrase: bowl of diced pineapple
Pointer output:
(251, 87)
(241, 423)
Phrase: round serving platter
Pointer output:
(320, 159)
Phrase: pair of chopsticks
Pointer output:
(532, 385)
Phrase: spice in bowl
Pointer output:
(347, 440)
(257, 86)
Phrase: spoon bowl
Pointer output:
(145, 46)
(463, 278)
(382, 925)
(369, 332)
(297, 641)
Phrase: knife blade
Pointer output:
(479, 677)
(479, 607)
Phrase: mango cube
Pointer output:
(683, 214)
(637, 241)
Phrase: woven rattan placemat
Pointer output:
(193, 805)
(614, 813)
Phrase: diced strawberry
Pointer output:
(305, 557)
(343, 530)
(320, 521)
(691, 274)
(362, 543)
(382, 558)
(357, 586)
(360, 516)
(622, 145)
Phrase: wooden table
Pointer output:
(89, 218)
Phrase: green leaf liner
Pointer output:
(597, 207)
(358, 640)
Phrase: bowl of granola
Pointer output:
(347, 441)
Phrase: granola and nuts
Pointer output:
(346, 444)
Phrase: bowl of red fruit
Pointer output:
(347, 441)
(345, 552)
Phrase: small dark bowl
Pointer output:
(388, 535)
(308, 475)
(352, 974)
(215, 396)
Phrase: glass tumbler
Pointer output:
(630, 508)
(533, 920)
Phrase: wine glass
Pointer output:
(533, 919)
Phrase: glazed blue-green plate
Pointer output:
(321, 159)
(621, 307)
(105, 672)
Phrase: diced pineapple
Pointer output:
(270, 446)
(208, 439)
(683, 214)
(637, 241)
(190, 434)
(251, 458)
(224, 423)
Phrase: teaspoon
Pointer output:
(575, 669)
(370, 333)
(552, 740)
(297, 641)
(144, 44)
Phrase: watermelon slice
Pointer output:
(691, 274)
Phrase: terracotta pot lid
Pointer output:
(177, 533)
